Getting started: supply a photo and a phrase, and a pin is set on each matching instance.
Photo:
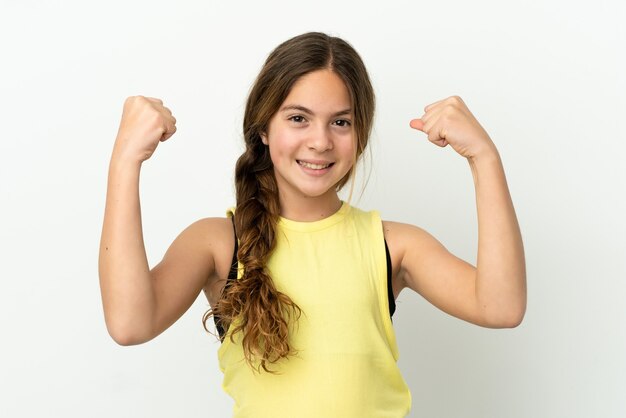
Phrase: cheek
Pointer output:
(274, 154)
(348, 148)
(281, 147)
(284, 142)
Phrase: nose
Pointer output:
(320, 139)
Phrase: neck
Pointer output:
(309, 209)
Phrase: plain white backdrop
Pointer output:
(545, 78)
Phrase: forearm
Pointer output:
(501, 271)
(127, 292)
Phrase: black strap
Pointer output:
(392, 300)
(232, 275)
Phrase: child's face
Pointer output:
(311, 137)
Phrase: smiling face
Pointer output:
(311, 139)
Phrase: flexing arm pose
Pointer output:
(494, 293)
(307, 120)
(140, 303)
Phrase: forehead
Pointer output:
(322, 91)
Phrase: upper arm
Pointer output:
(429, 269)
(186, 268)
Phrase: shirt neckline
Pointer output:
(315, 225)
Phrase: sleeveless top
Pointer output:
(232, 275)
(345, 365)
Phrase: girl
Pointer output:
(302, 285)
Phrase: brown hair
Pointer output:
(264, 311)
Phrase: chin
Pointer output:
(316, 192)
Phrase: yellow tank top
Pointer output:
(335, 271)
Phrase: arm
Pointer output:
(501, 268)
(125, 282)
(493, 294)
(139, 303)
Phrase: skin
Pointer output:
(313, 125)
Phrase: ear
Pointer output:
(264, 138)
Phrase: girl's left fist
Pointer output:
(449, 121)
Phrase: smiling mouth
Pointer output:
(314, 166)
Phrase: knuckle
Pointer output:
(133, 101)
(130, 100)
(451, 102)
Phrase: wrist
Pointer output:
(123, 163)
(121, 157)
(488, 154)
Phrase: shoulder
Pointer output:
(410, 248)
(366, 216)
(213, 236)
(401, 233)
(411, 240)
(208, 233)
(208, 242)
(202, 243)
(398, 235)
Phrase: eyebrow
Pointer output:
(310, 112)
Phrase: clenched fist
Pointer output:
(145, 122)
(449, 121)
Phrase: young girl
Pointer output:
(302, 285)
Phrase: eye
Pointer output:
(296, 118)
(342, 122)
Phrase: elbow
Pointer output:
(519, 317)
(512, 318)
(512, 321)
(127, 335)
(123, 339)
(503, 310)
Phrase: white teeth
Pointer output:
(313, 166)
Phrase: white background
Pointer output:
(545, 78)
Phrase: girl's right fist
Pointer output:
(145, 122)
